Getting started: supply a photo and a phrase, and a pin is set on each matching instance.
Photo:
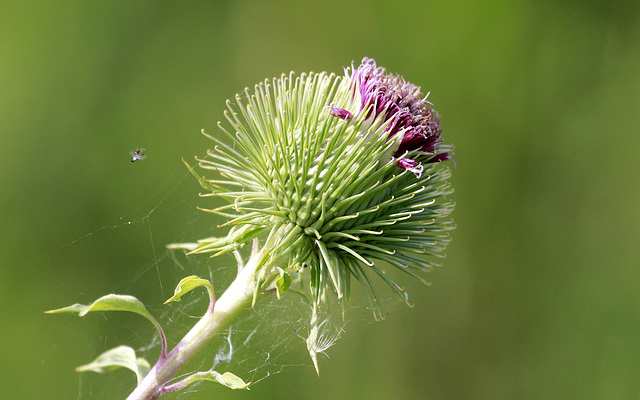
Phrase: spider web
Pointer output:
(264, 341)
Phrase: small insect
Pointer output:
(137, 155)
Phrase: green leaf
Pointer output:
(283, 282)
(227, 379)
(188, 284)
(114, 302)
(110, 302)
(119, 357)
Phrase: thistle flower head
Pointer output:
(336, 175)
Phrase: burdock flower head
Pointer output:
(333, 173)
(332, 177)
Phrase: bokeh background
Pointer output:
(539, 295)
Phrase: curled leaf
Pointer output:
(114, 302)
(188, 284)
(119, 357)
(227, 379)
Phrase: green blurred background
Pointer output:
(538, 297)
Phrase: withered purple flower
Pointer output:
(409, 114)
(340, 113)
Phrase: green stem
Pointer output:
(235, 299)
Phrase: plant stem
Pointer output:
(233, 300)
